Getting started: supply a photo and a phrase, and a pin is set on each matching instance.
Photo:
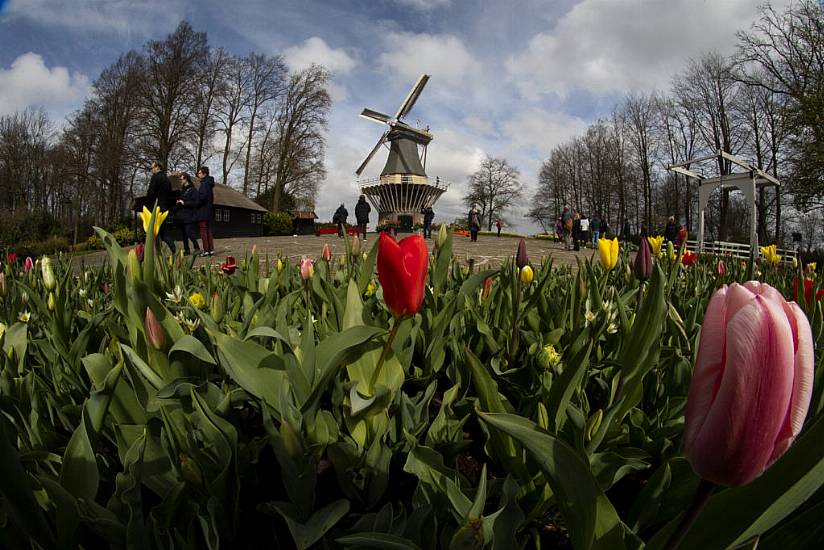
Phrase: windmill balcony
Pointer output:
(399, 198)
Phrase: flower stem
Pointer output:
(384, 354)
(702, 496)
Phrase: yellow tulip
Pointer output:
(197, 300)
(146, 217)
(370, 289)
(608, 252)
(526, 275)
(770, 254)
(655, 244)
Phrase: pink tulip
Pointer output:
(751, 386)
(306, 269)
(721, 268)
(326, 255)
(29, 264)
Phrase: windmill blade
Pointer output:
(410, 100)
(362, 167)
(375, 116)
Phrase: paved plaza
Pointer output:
(488, 252)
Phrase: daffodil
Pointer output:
(770, 254)
(608, 252)
(197, 300)
(655, 244)
(146, 217)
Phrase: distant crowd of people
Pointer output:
(576, 230)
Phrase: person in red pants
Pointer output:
(205, 209)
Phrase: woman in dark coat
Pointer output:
(204, 210)
(186, 205)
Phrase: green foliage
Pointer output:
(277, 223)
(549, 415)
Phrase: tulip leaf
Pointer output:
(374, 539)
(79, 475)
(735, 515)
(307, 534)
(194, 347)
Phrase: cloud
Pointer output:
(618, 45)
(540, 131)
(316, 50)
(408, 55)
(424, 5)
(30, 83)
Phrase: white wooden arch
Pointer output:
(746, 182)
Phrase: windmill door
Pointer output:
(405, 223)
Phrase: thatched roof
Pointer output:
(303, 214)
(225, 196)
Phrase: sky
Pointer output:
(511, 79)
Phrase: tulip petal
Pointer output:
(736, 440)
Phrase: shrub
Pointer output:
(53, 244)
(278, 223)
(94, 243)
(124, 236)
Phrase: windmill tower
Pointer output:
(403, 188)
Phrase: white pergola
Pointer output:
(746, 182)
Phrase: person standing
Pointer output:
(428, 216)
(340, 218)
(576, 231)
(584, 233)
(567, 221)
(671, 230)
(626, 231)
(595, 229)
(499, 224)
(160, 195)
(362, 210)
(474, 221)
(204, 210)
(185, 214)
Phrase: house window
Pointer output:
(218, 214)
(226, 215)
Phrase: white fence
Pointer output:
(737, 250)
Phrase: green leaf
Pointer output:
(373, 539)
(588, 513)
(194, 347)
(79, 474)
(307, 534)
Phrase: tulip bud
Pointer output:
(326, 255)
(280, 265)
(254, 250)
(49, 280)
(486, 289)
(443, 234)
(643, 261)
(307, 269)
(795, 262)
(217, 310)
(342, 261)
(526, 275)
(133, 266)
(154, 331)
(365, 255)
(721, 268)
(190, 470)
(593, 423)
(356, 245)
(28, 264)
(24, 298)
(671, 251)
(521, 259)
(139, 250)
(291, 439)
(751, 385)
(51, 302)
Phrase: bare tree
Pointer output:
(641, 115)
(208, 91)
(494, 187)
(230, 111)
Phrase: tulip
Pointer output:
(342, 261)
(154, 331)
(608, 252)
(49, 280)
(280, 265)
(486, 289)
(11, 257)
(721, 268)
(29, 264)
(370, 289)
(197, 300)
(751, 385)
(355, 252)
(51, 302)
(688, 258)
(770, 254)
(671, 251)
(521, 259)
(326, 255)
(808, 291)
(133, 266)
(655, 244)
(443, 234)
(229, 266)
(139, 251)
(402, 273)
(146, 217)
(810, 268)
(217, 309)
(643, 261)
(795, 262)
(307, 269)
(526, 275)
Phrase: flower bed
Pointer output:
(388, 398)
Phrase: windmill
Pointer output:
(403, 189)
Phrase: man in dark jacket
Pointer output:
(185, 212)
(160, 194)
(428, 216)
(671, 230)
(340, 218)
(204, 209)
(362, 210)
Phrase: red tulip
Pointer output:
(688, 258)
(139, 251)
(487, 288)
(28, 264)
(11, 257)
(402, 272)
(751, 386)
(721, 268)
(229, 266)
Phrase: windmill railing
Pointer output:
(437, 182)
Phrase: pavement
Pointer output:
(488, 251)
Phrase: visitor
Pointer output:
(362, 210)
(474, 222)
(160, 195)
(566, 219)
(584, 233)
(604, 228)
(626, 231)
(682, 236)
(595, 229)
(428, 216)
(576, 231)
(205, 210)
(559, 229)
(499, 224)
(671, 230)
(340, 218)
(185, 214)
